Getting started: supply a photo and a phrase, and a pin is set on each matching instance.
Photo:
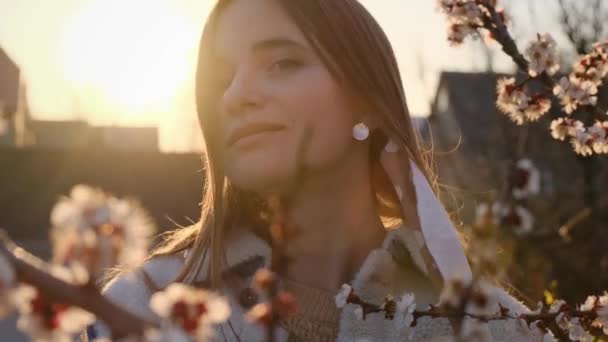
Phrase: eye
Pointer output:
(285, 64)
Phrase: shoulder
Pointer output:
(132, 290)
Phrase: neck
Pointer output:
(339, 224)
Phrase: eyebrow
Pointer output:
(269, 44)
(275, 43)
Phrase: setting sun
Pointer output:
(131, 56)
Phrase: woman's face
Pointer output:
(276, 86)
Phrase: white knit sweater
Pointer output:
(384, 271)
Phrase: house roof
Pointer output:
(474, 143)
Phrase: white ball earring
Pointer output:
(360, 131)
(391, 146)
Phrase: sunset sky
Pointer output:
(131, 62)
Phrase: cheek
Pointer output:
(311, 98)
(322, 104)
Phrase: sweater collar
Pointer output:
(246, 251)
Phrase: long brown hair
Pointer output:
(358, 54)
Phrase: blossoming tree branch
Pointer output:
(582, 122)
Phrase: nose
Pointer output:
(242, 94)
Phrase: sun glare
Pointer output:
(136, 55)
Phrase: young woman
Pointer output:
(303, 98)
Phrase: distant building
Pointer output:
(9, 85)
(20, 130)
(12, 116)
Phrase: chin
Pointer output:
(261, 179)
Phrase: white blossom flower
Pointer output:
(515, 216)
(599, 136)
(592, 74)
(43, 320)
(129, 220)
(538, 105)
(601, 48)
(261, 314)
(465, 11)
(562, 128)
(98, 231)
(601, 321)
(543, 55)
(582, 143)
(539, 308)
(593, 66)
(562, 320)
(405, 309)
(483, 214)
(190, 309)
(574, 93)
(556, 306)
(517, 104)
(458, 32)
(85, 207)
(464, 18)
(577, 332)
(602, 313)
(526, 179)
(342, 296)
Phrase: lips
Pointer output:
(251, 129)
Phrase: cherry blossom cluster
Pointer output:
(95, 231)
(400, 311)
(524, 182)
(580, 89)
(576, 323)
(42, 319)
(543, 55)
(511, 215)
(470, 304)
(592, 67)
(515, 101)
(279, 304)
(188, 313)
(585, 140)
(466, 18)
